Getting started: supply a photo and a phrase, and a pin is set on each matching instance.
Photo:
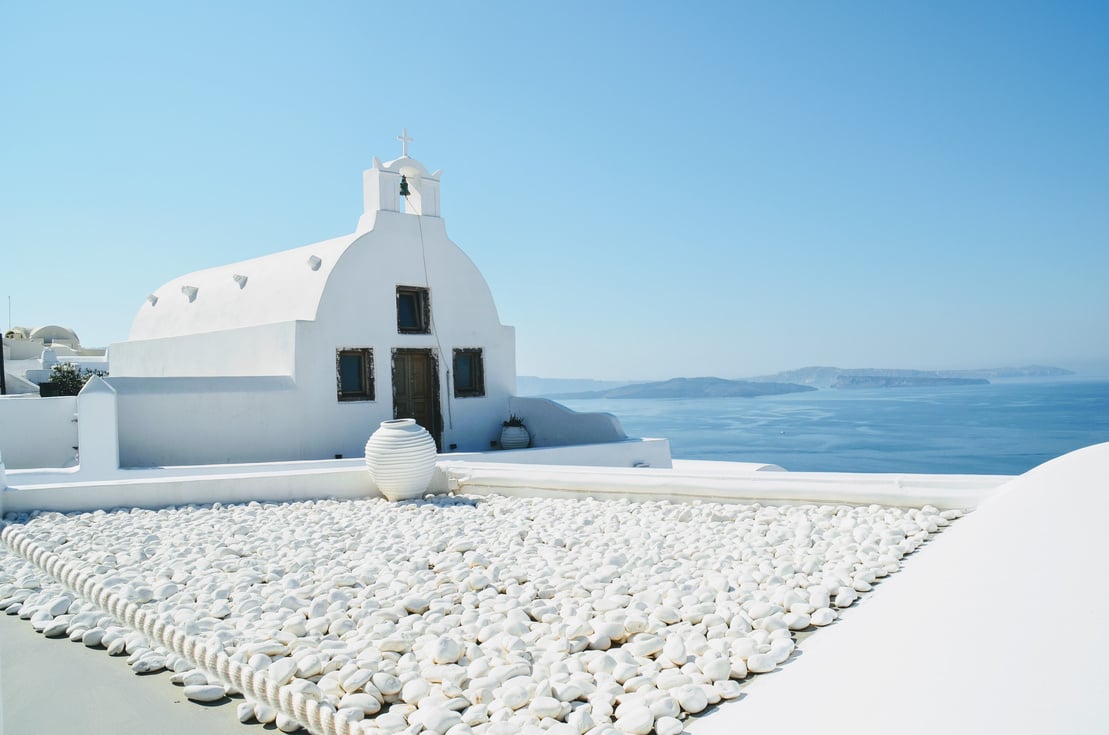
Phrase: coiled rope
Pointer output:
(309, 713)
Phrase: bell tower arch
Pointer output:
(381, 187)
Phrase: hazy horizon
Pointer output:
(1090, 370)
(650, 190)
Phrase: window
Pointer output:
(354, 372)
(413, 311)
(469, 373)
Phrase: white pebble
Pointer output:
(436, 719)
(264, 713)
(281, 671)
(636, 720)
(205, 692)
(846, 597)
(285, 723)
(545, 707)
(244, 711)
(728, 689)
(668, 726)
(762, 663)
(149, 664)
(691, 698)
(367, 703)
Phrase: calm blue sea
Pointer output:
(1007, 427)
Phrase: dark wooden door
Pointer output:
(416, 389)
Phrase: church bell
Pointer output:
(404, 186)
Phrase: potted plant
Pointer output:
(514, 435)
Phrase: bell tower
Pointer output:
(381, 187)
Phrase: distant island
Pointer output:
(834, 377)
(693, 388)
(899, 381)
(790, 381)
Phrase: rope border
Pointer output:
(310, 714)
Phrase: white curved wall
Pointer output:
(997, 626)
(551, 424)
(359, 310)
(281, 287)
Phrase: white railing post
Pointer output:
(97, 427)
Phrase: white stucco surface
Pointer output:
(279, 287)
(38, 432)
(998, 625)
(717, 482)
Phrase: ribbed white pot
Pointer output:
(514, 437)
(401, 458)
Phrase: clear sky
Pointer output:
(651, 189)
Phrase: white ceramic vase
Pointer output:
(401, 458)
(514, 437)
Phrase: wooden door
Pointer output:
(416, 389)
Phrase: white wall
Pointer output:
(358, 309)
(637, 453)
(267, 349)
(551, 424)
(38, 432)
(22, 349)
(170, 421)
(516, 472)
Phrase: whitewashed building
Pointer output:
(299, 354)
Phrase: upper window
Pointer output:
(354, 370)
(469, 373)
(413, 310)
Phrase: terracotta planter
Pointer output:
(514, 437)
(400, 456)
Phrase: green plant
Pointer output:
(70, 379)
(514, 420)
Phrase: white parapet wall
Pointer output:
(168, 487)
(714, 482)
(38, 432)
(625, 453)
(83, 489)
(154, 488)
(551, 424)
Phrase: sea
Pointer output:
(1004, 428)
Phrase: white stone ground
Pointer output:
(475, 615)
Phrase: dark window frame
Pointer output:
(366, 357)
(477, 387)
(421, 310)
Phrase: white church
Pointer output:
(300, 354)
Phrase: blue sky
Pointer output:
(651, 189)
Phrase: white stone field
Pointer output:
(460, 615)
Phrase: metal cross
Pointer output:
(404, 141)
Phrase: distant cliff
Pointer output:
(694, 388)
(830, 377)
(790, 381)
(900, 381)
